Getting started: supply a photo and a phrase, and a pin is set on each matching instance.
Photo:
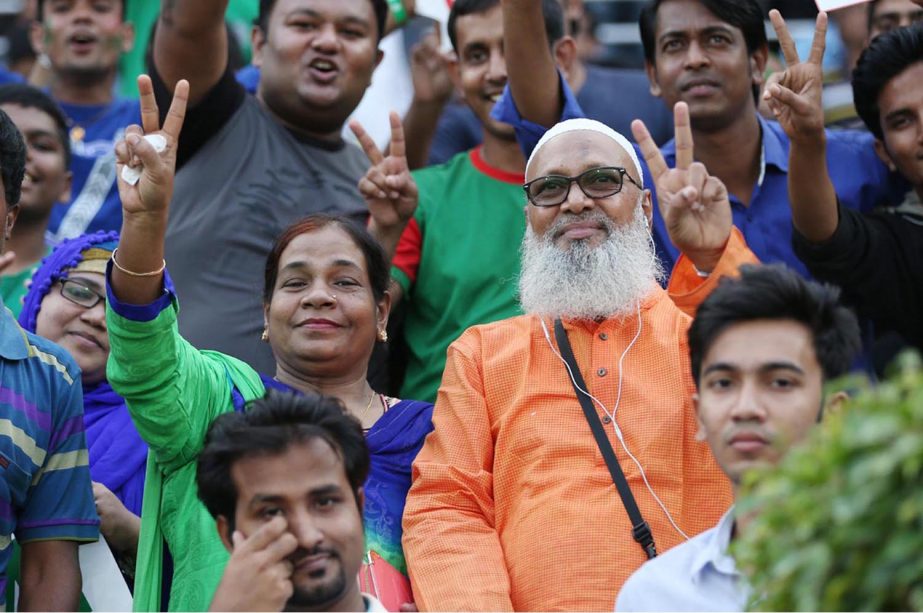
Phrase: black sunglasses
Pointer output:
(602, 182)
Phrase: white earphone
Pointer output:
(612, 415)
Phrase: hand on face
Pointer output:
(694, 204)
(388, 187)
(152, 192)
(258, 577)
(795, 94)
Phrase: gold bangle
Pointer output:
(130, 273)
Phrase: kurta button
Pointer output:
(603, 336)
(601, 372)
(607, 420)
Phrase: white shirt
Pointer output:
(697, 575)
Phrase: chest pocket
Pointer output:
(15, 482)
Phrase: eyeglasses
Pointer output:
(78, 293)
(890, 21)
(602, 182)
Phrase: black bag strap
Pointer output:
(640, 530)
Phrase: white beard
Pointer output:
(583, 282)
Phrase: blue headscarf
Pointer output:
(117, 453)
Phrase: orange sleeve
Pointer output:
(453, 551)
(688, 289)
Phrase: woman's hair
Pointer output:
(376, 262)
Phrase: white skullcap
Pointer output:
(581, 123)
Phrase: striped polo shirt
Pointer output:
(45, 491)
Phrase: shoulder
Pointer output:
(440, 172)
(673, 567)
(55, 359)
(499, 339)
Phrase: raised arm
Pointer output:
(794, 96)
(137, 277)
(533, 77)
(191, 43)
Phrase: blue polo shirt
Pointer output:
(45, 491)
(859, 177)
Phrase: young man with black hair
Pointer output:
(762, 347)
(710, 54)
(283, 481)
(47, 181)
(877, 258)
(45, 492)
(248, 166)
(83, 41)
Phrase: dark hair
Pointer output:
(778, 293)
(266, 6)
(40, 10)
(30, 97)
(551, 11)
(745, 15)
(376, 261)
(268, 427)
(886, 57)
(12, 159)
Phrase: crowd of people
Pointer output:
(522, 357)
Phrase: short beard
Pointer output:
(584, 282)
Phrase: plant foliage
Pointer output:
(838, 526)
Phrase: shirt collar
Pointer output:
(714, 550)
(774, 151)
(13, 342)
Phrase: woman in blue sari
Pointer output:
(66, 304)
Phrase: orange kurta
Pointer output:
(512, 506)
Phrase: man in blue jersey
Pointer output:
(710, 54)
(45, 495)
(83, 40)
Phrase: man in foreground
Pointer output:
(762, 348)
(283, 480)
(511, 506)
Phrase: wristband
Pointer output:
(398, 12)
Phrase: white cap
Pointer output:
(572, 125)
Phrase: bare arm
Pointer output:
(795, 97)
(533, 78)
(50, 576)
(145, 205)
(191, 43)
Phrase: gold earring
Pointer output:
(383, 335)
(265, 335)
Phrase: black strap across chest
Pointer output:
(640, 531)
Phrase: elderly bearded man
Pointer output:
(512, 506)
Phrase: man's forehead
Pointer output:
(585, 147)
(687, 16)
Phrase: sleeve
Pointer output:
(875, 259)
(407, 256)
(173, 391)
(59, 505)
(454, 557)
(527, 133)
(207, 117)
(458, 130)
(688, 289)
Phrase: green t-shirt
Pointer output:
(457, 261)
(143, 13)
(14, 287)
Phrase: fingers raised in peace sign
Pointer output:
(694, 205)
